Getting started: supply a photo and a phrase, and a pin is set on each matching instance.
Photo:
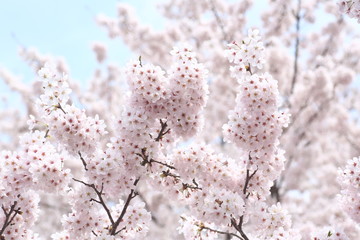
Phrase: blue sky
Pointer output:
(62, 28)
(65, 28)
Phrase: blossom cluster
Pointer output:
(247, 55)
(218, 188)
(349, 179)
(273, 223)
(209, 185)
(137, 149)
(36, 167)
(66, 123)
(256, 123)
(141, 166)
(329, 233)
(160, 108)
(350, 7)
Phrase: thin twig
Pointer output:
(60, 107)
(221, 232)
(163, 131)
(177, 179)
(275, 191)
(101, 200)
(46, 133)
(131, 195)
(239, 226)
(247, 180)
(140, 62)
(146, 160)
(167, 173)
(114, 224)
(9, 217)
(82, 160)
(297, 43)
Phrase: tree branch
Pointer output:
(146, 160)
(297, 43)
(131, 195)
(99, 194)
(163, 131)
(9, 217)
(238, 227)
(82, 160)
(220, 232)
(60, 107)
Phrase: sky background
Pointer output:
(65, 28)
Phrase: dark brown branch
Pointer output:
(189, 186)
(131, 195)
(46, 133)
(275, 191)
(161, 163)
(238, 227)
(169, 174)
(248, 69)
(220, 232)
(9, 217)
(146, 160)
(82, 160)
(140, 62)
(177, 179)
(120, 230)
(297, 43)
(163, 131)
(114, 224)
(99, 194)
(247, 180)
(60, 107)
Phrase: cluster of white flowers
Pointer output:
(66, 123)
(160, 108)
(349, 179)
(196, 230)
(209, 184)
(350, 7)
(86, 215)
(147, 81)
(247, 55)
(329, 233)
(273, 223)
(143, 130)
(189, 90)
(36, 167)
(88, 221)
(136, 221)
(255, 124)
